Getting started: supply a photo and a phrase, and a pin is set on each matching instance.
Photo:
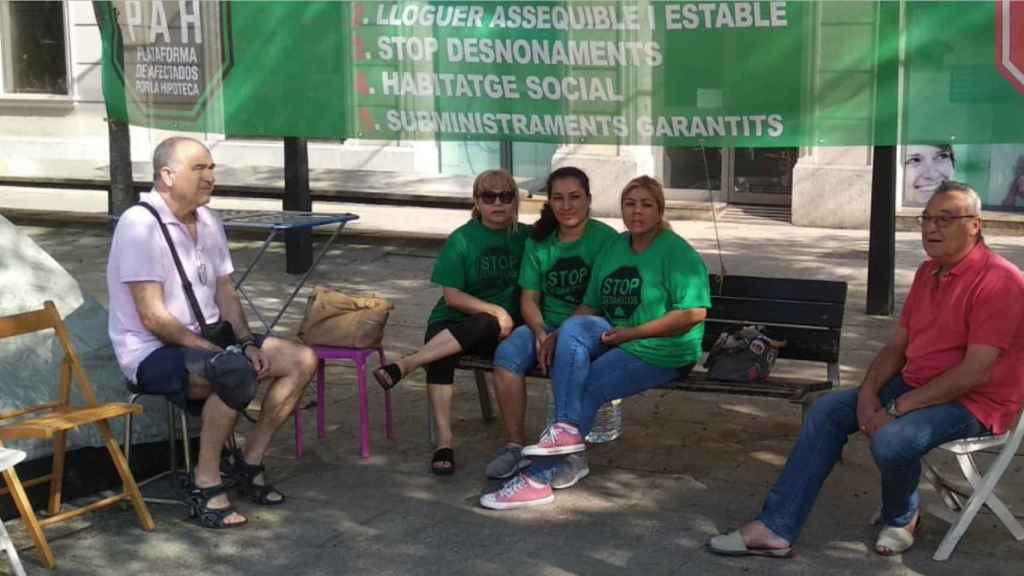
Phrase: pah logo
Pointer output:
(1010, 42)
(172, 55)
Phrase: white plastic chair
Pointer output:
(982, 487)
(8, 458)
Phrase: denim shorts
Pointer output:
(518, 352)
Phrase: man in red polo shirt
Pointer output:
(953, 369)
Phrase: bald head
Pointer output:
(168, 154)
(183, 174)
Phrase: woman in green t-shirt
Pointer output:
(651, 291)
(556, 267)
(478, 269)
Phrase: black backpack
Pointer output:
(742, 354)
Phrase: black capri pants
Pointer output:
(477, 334)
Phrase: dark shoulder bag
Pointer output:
(742, 354)
(221, 332)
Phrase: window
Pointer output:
(33, 46)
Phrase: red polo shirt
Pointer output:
(980, 301)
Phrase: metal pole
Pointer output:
(882, 243)
(298, 243)
(505, 154)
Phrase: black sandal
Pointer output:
(244, 473)
(198, 502)
(443, 456)
(393, 372)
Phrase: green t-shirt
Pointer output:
(483, 263)
(632, 289)
(560, 271)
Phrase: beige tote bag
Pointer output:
(336, 319)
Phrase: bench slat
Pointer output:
(759, 311)
(788, 388)
(779, 288)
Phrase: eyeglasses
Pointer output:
(505, 196)
(942, 221)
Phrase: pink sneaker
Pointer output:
(559, 438)
(518, 492)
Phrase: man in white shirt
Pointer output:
(157, 338)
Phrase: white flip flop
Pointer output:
(893, 540)
(732, 544)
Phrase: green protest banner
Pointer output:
(756, 74)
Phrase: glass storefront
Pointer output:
(763, 175)
(736, 175)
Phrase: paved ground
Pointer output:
(686, 467)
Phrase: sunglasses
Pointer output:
(506, 196)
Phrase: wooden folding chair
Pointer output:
(52, 420)
(8, 458)
(969, 502)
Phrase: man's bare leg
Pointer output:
(292, 366)
(218, 422)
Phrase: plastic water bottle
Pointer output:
(607, 423)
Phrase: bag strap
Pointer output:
(190, 294)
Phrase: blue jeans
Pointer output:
(897, 449)
(518, 352)
(587, 374)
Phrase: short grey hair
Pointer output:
(973, 200)
(165, 154)
(972, 197)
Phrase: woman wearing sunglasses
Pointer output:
(560, 252)
(478, 270)
(650, 289)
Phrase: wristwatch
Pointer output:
(891, 409)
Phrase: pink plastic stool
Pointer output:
(359, 356)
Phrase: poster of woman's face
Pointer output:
(924, 168)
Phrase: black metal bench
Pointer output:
(807, 314)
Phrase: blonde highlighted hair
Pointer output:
(496, 181)
(652, 187)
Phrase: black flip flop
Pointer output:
(446, 455)
(393, 372)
